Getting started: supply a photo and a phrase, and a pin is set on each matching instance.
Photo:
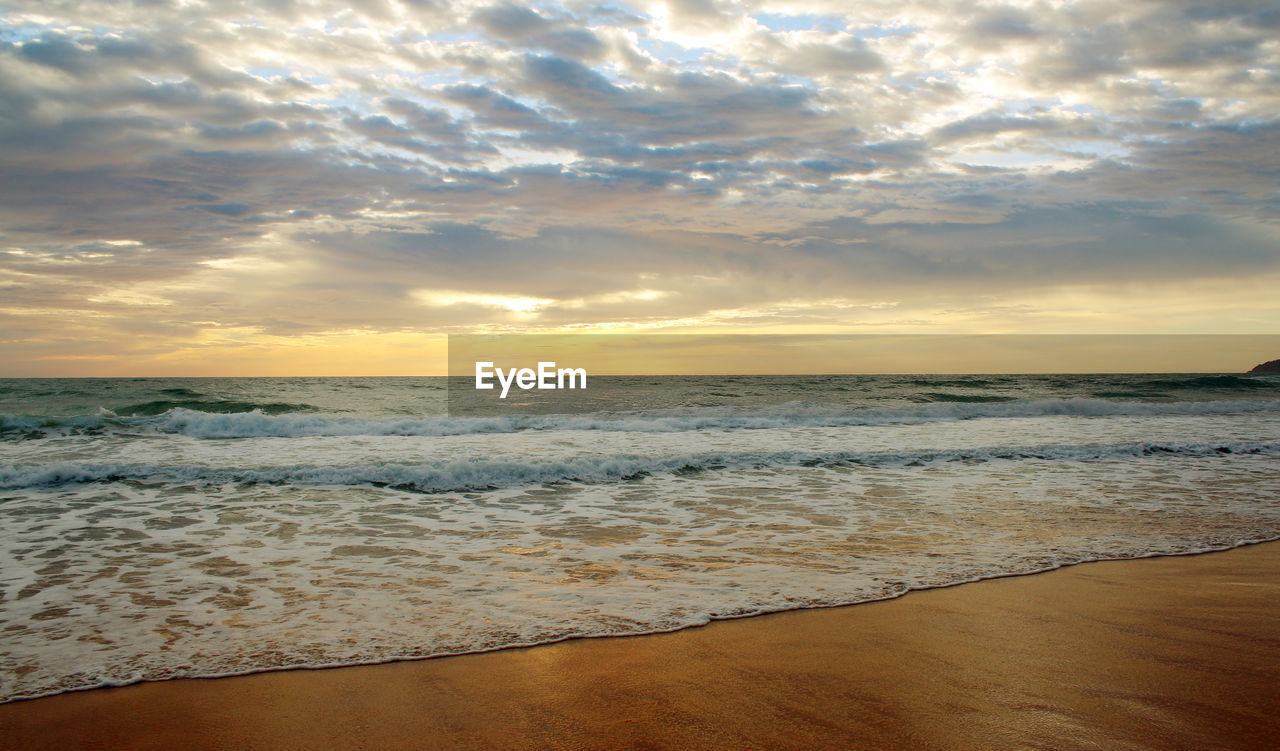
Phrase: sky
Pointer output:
(306, 188)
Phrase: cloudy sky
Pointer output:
(294, 187)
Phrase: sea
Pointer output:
(168, 527)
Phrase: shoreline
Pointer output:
(1187, 625)
(659, 632)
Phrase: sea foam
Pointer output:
(480, 474)
(256, 423)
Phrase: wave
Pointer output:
(955, 382)
(1207, 383)
(458, 476)
(258, 422)
(942, 396)
(211, 406)
(186, 393)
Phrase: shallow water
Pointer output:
(166, 527)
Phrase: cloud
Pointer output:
(735, 157)
(510, 22)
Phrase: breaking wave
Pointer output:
(465, 475)
(259, 422)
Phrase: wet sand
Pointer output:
(1167, 653)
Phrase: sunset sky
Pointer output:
(226, 188)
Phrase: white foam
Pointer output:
(163, 581)
(480, 474)
(259, 424)
(142, 554)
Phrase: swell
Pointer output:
(457, 476)
(209, 406)
(259, 422)
(1206, 383)
(942, 396)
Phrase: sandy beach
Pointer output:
(473, 374)
(1164, 653)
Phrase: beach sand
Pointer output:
(1165, 653)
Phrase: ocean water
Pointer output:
(157, 528)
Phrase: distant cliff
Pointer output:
(1267, 367)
